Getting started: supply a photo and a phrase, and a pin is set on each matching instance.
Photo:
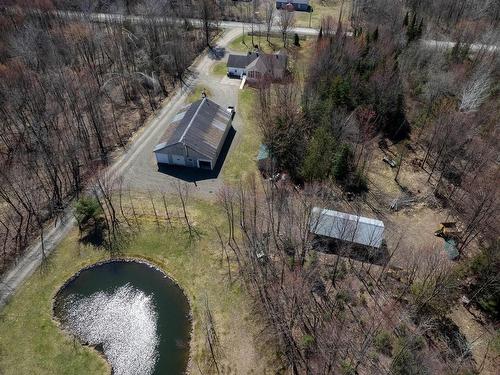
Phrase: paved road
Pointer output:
(136, 165)
(118, 18)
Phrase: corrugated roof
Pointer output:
(346, 227)
(201, 128)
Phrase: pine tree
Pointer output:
(320, 35)
(296, 40)
(375, 34)
(405, 21)
(420, 28)
(411, 32)
(341, 163)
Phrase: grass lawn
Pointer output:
(242, 161)
(243, 43)
(196, 94)
(32, 343)
(321, 9)
(219, 69)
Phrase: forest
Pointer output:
(374, 87)
(71, 93)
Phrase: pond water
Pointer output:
(131, 312)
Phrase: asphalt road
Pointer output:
(119, 18)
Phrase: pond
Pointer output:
(132, 313)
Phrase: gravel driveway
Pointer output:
(142, 172)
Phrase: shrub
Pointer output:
(407, 356)
(383, 342)
(347, 369)
(87, 210)
(307, 341)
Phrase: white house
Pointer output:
(347, 227)
(258, 65)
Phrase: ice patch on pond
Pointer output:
(123, 322)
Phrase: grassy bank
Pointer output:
(32, 343)
(243, 158)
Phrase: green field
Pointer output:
(32, 343)
(219, 69)
(243, 43)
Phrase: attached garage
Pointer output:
(195, 136)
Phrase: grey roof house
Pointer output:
(347, 227)
(196, 136)
(258, 65)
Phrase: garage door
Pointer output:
(178, 159)
(161, 158)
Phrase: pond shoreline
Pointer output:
(145, 262)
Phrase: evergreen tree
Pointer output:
(411, 31)
(405, 21)
(375, 34)
(341, 164)
(319, 156)
(320, 35)
(420, 28)
(296, 40)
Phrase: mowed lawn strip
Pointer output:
(32, 343)
(242, 160)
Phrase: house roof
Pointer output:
(262, 62)
(269, 63)
(200, 126)
(347, 227)
(241, 61)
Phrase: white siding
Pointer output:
(236, 71)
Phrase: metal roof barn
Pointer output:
(347, 227)
(196, 134)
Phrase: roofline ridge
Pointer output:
(181, 139)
